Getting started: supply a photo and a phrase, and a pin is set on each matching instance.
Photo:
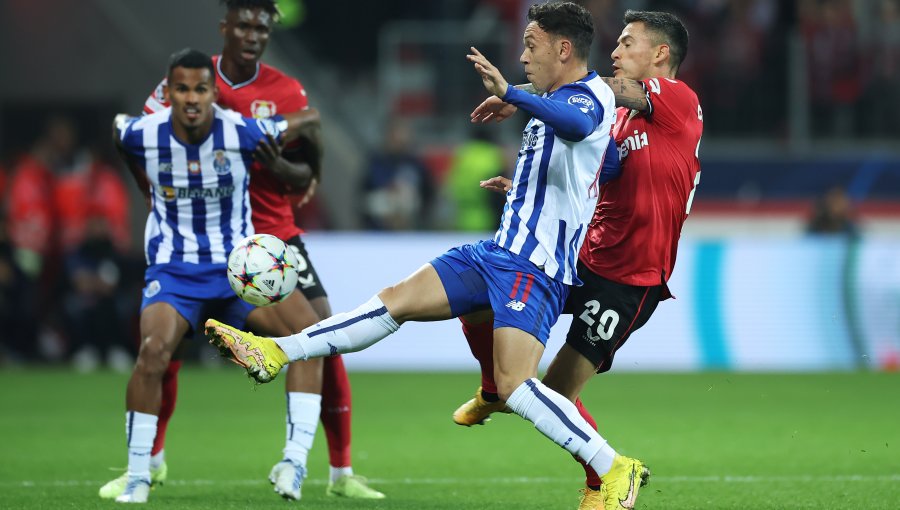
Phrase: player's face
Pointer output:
(191, 93)
(246, 33)
(540, 58)
(633, 57)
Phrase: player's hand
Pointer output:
(499, 184)
(268, 152)
(492, 109)
(490, 76)
(309, 194)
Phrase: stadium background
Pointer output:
(789, 262)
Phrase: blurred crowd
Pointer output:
(69, 275)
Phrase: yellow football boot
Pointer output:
(591, 499)
(353, 487)
(262, 357)
(621, 483)
(478, 410)
(114, 488)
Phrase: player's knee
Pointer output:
(154, 357)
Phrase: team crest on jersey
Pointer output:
(583, 102)
(165, 167)
(167, 193)
(152, 289)
(261, 109)
(194, 167)
(221, 163)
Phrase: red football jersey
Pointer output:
(269, 92)
(633, 236)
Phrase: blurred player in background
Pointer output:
(316, 389)
(192, 162)
(524, 274)
(629, 253)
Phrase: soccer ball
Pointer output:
(262, 269)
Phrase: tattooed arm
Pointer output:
(629, 93)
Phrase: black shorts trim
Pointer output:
(308, 283)
(605, 314)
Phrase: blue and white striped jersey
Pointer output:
(200, 206)
(556, 181)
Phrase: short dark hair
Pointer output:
(267, 5)
(668, 28)
(191, 59)
(568, 20)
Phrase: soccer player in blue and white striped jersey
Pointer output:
(191, 161)
(523, 275)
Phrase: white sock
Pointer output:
(158, 459)
(336, 472)
(341, 333)
(302, 419)
(557, 418)
(140, 430)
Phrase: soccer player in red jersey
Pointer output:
(629, 253)
(319, 388)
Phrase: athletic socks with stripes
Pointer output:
(140, 429)
(345, 332)
(558, 419)
(302, 419)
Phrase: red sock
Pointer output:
(592, 479)
(481, 342)
(167, 406)
(336, 411)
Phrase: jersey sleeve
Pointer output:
(157, 99)
(255, 130)
(130, 139)
(572, 110)
(671, 103)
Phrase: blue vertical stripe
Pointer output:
(198, 204)
(543, 170)
(708, 310)
(557, 411)
(560, 252)
(571, 257)
(129, 426)
(248, 138)
(166, 180)
(519, 200)
(226, 204)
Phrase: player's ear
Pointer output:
(662, 54)
(215, 93)
(222, 25)
(165, 88)
(565, 49)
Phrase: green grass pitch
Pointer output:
(712, 440)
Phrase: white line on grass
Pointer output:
(509, 481)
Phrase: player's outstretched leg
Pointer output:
(261, 356)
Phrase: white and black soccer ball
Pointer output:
(262, 269)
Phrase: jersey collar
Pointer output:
(226, 80)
